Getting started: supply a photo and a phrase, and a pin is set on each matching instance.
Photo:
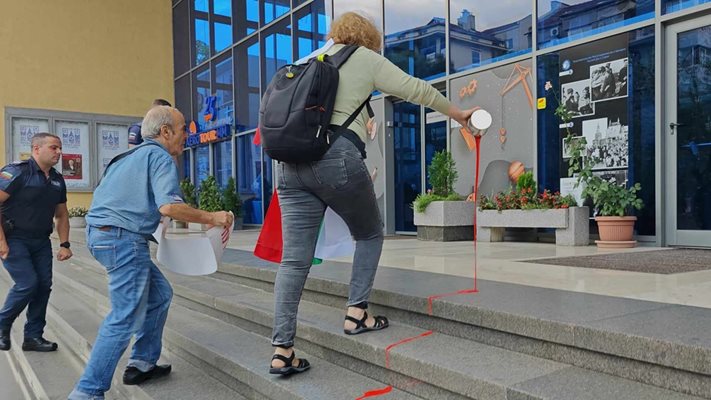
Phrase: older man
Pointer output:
(32, 192)
(138, 187)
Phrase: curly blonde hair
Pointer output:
(353, 28)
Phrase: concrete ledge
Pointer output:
(445, 233)
(572, 224)
(446, 213)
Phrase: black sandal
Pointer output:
(288, 368)
(380, 323)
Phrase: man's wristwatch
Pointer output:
(66, 245)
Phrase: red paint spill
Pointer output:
(376, 392)
(430, 299)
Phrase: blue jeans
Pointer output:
(140, 297)
(30, 266)
(339, 180)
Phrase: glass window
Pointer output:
(186, 164)
(249, 178)
(201, 90)
(675, 5)
(181, 38)
(201, 34)
(246, 18)
(608, 85)
(372, 9)
(222, 7)
(311, 28)
(202, 164)
(274, 9)
(435, 138)
(222, 86)
(222, 162)
(247, 82)
(267, 180)
(489, 31)
(408, 163)
(276, 48)
(415, 41)
(563, 21)
(201, 5)
(182, 96)
(223, 36)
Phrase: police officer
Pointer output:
(134, 131)
(32, 192)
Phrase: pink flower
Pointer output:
(548, 86)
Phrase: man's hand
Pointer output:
(64, 254)
(4, 249)
(222, 218)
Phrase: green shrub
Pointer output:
(188, 190)
(442, 173)
(230, 198)
(210, 196)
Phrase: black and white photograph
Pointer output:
(566, 146)
(617, 176)
(577, 98)
(606, 142)
(609, 80)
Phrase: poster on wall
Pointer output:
(594, 89)
(113, 140)
(75, 161)
(23, 130)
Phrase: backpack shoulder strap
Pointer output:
(342, 55)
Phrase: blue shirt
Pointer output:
(33, 198)
(134, 188)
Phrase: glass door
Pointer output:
(688, 133)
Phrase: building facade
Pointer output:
(635, 74)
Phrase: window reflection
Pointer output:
(186, 164)
(222, 160)
(201, 88)
(246, 17)
(372, 9)
(202, 164)
(181, 38)
(274, 9)
(222, 7)
(276, 48)
(563, 21)
(415, 37)
(311, 25)
(482, 31)
(249, 171)
(222, 86)
(202, 38)
(201, 5)
(247, 81)
(675, 5)
(408, 163)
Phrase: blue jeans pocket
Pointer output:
(331, 172)
(105, 255)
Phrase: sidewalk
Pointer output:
(501, 262)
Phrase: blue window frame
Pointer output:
(249, 178)
(276, 50)
(222, 162)
(669, 6)
(247, 85)
(273, 9)
(311, 25)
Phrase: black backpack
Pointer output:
(296, 109)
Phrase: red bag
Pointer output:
(269, 244)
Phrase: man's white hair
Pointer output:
(155, 119)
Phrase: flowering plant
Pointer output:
(78, 212)
(526, 199)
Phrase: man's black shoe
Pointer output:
(134, 376)
(38, 344)
(5, 343)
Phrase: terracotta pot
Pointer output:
(616, 231)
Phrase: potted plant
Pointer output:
(441, 214)
(77, 217)
(232, 202)
(210, 199)
(188, 190)
(612, 201)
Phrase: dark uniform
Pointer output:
(27, 220)
(134, 134)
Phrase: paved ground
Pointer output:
(9, 390)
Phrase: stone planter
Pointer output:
(446, 221)
(616, 232)
(572, 226)
(77, 222)
(194, 226)
(180, 224)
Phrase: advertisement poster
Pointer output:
(113, 140)
(71, 166)
(23, 130)
(27, 132)
(594, 88)
(76, 160)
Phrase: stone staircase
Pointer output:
(504, 342)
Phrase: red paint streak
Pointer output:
(430, 299)
(376, 392)
(403, 341)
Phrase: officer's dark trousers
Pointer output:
(30, 266)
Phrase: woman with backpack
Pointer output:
(340, 180)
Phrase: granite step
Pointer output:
(660, 344)
(236, 357)
(440, 366)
